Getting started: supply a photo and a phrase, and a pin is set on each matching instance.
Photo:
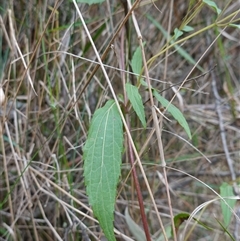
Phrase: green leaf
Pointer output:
(187, 28)
(213, 5)
(174, 111)
(227, 191)
(102, 164)
(180, 218)
(136, 231)
(136, 101)
(132, 91)
(177, 33)
(136, 62)
(235, 25)
(90, 1)
(144, 83)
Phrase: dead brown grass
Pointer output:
(49, 104)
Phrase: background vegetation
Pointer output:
(52, 89)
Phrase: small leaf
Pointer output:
(177, 33)
(174, 111)
(227, 191)
(136, 101)
(90, 1)
(136, 231)
(187, 28)
(180, 218)
(213, 5)
(144, 83)
(102, 163)
(136, 62)
(235, 25)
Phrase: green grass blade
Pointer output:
(102, 163)
(226, 231)
(174, 111)
(136, 101)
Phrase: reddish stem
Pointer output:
(139, 194)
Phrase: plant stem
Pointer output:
(139, 194)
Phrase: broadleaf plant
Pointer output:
(102, 164)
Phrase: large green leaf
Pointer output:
(136, 101)
(102, 164)
(227, 191)
(174, 111)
